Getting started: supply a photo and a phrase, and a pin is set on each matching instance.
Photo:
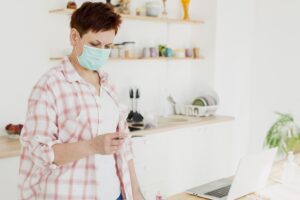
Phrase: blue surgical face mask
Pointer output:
(93, 58)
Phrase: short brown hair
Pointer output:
(95, 17)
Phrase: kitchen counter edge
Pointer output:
(11, 147)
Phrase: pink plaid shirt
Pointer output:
(62, 108)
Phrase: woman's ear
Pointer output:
(74, 37)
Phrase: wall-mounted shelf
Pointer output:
(135, 59)
(65, 11)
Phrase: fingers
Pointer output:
(119, 135)
(111, 149)
(114, 149)
(112, 142)
(117, 142)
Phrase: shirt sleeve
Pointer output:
(123, 127)
(128, 145)
(40, 130)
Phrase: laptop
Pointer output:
(252, 174)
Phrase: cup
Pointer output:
(153, 52)
(169, 52)
(179, 53)
(151, 119)
(146, 52)
(189, 53)
(196, 52)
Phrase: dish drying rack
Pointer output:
(196, 111)
(210, 101)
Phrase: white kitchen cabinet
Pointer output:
(174, 161)
(9, 170)
(205, 155)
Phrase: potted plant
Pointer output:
(284, 134)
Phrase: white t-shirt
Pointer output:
(109, 187)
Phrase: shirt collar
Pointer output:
(72, 76)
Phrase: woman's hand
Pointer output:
(108, 143)
(102, 144)
(137, 195)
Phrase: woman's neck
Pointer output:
(89, 75)
(82, 71)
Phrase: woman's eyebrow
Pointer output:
(97, 42)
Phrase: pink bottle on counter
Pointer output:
(158, 196)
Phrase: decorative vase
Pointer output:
(165, 13)
(185, 5)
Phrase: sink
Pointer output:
(172, 119)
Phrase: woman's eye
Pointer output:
(94, 45)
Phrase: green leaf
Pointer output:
(278, 134)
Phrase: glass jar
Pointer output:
(114, 51)
(129, 49)
(179, 53)
(121, 48)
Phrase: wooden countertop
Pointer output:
(189, 122)
(11, 147)
(274, 178)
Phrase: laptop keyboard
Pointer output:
(221, 192)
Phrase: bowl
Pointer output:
(153, 8)
(14, 129)
(179, 53)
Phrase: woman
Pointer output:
(74, 144)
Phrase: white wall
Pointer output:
(276, 65)
(23, 52)
(30, 35)
(257, 65)
(233, 62)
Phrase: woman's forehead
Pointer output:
(102, 36)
